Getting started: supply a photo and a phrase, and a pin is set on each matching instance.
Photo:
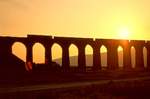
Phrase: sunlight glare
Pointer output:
(123, 33)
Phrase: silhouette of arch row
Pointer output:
(64, 42)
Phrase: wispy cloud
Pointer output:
(16, 3)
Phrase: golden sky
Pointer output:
(127, 19)
(85, 18)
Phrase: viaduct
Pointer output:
(111, 45)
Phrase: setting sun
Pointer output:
(123, 33)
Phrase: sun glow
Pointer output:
(123, 33)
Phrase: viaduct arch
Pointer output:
(111, 45)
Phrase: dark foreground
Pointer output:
(103, 84)
(132, 88)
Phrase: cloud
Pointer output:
(16, 3)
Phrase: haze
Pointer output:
(125, 19)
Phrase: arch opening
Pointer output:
(89, 55)
(19, 50)
(120, 56)
(38, 53)
(57, 53)
(133, 57)
(103, 52)
(73, 55)
(145, 56)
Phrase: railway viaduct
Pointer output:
(111, 45)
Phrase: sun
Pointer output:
(123, 33)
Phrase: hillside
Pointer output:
(89, 59)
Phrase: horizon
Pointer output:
(89, 59)
(94, 38)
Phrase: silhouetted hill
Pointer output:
(12, 64)
(89, 59)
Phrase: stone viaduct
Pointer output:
(111, 45)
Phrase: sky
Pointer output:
(125, 19)
(81, 18)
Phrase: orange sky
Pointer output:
(83, 18)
